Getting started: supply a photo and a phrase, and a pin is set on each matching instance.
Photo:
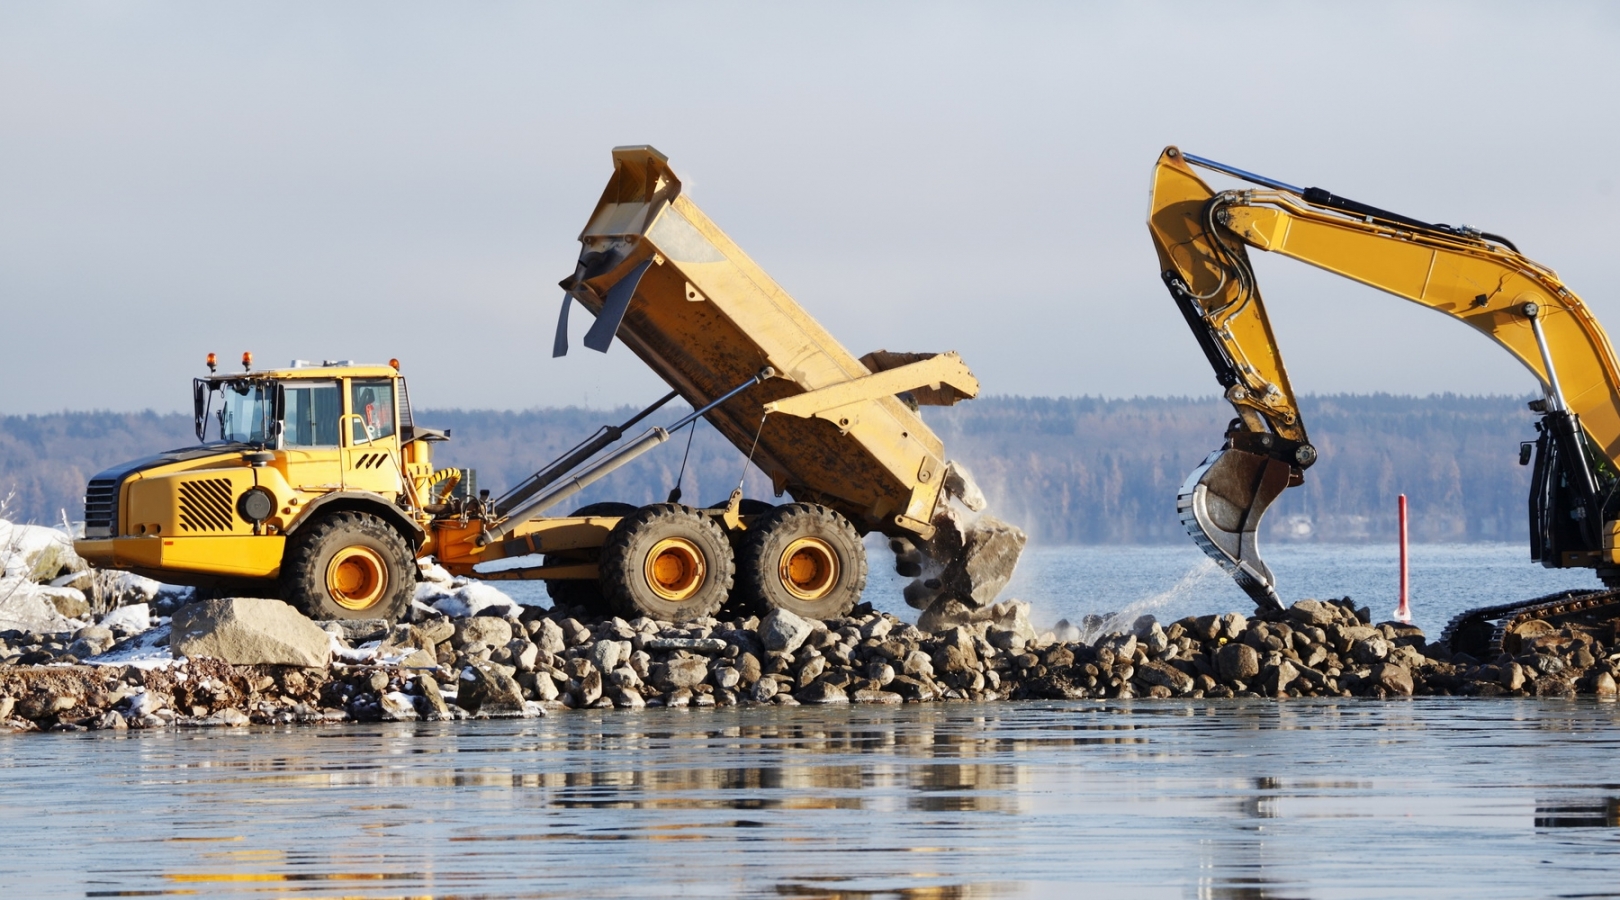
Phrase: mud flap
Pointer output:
(1221, 505)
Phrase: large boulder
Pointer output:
(30, 607)
(36, 553)
(783, 631)
(247, 631)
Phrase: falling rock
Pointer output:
(1396, 679)
(1237, 662)
(1166, 675)
(249, 631)
(484, 688)
(784, 631)
(984, 566)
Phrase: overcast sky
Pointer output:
(404, 180)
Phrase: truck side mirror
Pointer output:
(1525, 449)
(278, 402)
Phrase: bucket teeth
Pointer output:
(1221, 504)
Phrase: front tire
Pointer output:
(348, 565)
(804, 558)
(667, 562)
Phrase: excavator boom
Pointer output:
(1203, 237)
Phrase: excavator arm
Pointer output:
(1203, 237)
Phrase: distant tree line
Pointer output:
(1069, 470)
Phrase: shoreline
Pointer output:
(544, 662)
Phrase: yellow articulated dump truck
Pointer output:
(315, 481)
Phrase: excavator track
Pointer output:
(1482, 633)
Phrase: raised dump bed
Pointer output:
(828, 427)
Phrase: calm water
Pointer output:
(1439, 798)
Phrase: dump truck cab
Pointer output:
(280, 452)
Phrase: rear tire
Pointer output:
(348, 565)
(804, 558)
(581, 591)
(667, 562)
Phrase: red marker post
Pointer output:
(1403, 613)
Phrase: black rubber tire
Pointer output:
(627, 555)
(578, 591)
(759, 563)
(310, 553)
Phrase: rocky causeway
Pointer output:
(111, 650)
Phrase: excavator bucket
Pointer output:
(1221, 505)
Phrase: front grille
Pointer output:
(205, 505)
(101, 508)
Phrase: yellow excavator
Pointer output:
(1203, 237)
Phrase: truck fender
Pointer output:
(361, 501)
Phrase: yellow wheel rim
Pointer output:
(357, 578)
(675, 569)
(809, 568)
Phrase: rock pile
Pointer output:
(439, 667)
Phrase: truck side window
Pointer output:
(311, 417)
(373, 402)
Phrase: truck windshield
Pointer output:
(245, 412)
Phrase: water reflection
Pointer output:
(1230, 800)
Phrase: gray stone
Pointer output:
(606, 655)
(1162, 673)
(525, 654)
(491, 630)
(434, 631)
(1284, 675)
(726, 678)
(484, 688)
(820, 693)
(748, 668)
(917, 664)
(811, 670)
(549, 636)
(247, 631)
(763, 690)
(589, 689)
(708, 646)
(434, 709)
(628, 698)
(679, 672)
(1396, 679)
(1602, 685)
(784, 632)
(877, 697)
(92, 640)
(1369, 650)
(1312, 612)
(397, 707)
(882, 673)
(1237, 662)
(1512, 677)
(574, 634)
